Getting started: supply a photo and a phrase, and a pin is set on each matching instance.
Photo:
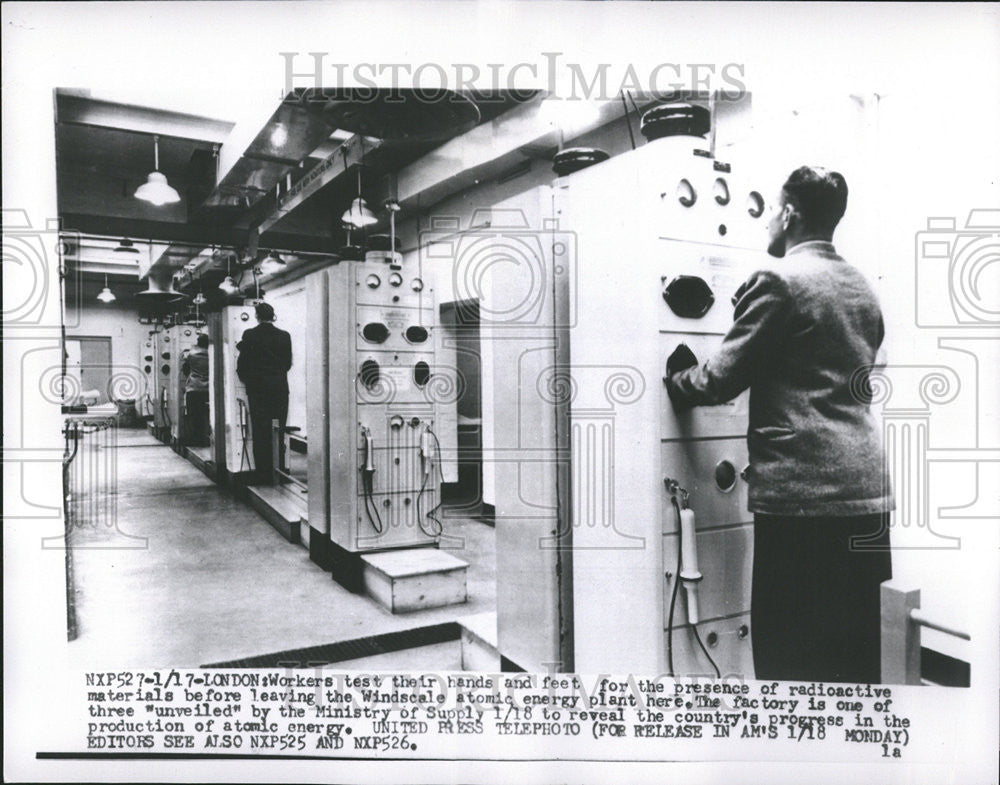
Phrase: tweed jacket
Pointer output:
(805, 332)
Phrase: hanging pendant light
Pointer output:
(106, 295)
(272, 264)
(199, 299)
(228, 286)
(156, 190)
(160, 290)
(358, 214)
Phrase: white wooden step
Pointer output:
(414, 578)
(280, 507)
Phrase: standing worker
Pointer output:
(195, 367)
(805, 333)
(265, 357)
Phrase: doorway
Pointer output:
(460, 322)
(88, 365)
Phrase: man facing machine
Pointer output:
(265, 357)
(805, 332)
(195, 367)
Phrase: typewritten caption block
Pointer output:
(303, 713)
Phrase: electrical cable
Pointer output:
(367, 489)
(673, 601)
(370, 506)
(630, 98)
(674, 591)
(436, 507)
(244, 458)
(628, 119)
(697, 637)
(434, 532)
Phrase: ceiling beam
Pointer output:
(337, 165)
(193, 234)
(79, 110)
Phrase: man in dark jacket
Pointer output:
(806, 330)
(265, 357)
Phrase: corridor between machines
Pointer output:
(192, 576)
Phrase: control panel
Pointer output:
(182, 340)
(147, 364)
(382, 403)
(647, 504)
(238, 435)
(164, 372)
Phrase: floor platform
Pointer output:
(414, 579)
(284, 508)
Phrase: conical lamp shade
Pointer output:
(106, 295)
(157, 292)
(272, 264)
(156, 190)
(358, 214)
(228, 286)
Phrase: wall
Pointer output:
(289, 302)
(121, 324)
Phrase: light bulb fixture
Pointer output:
(126, 246)
(156, 190)
(106, 295)
(228, 286)
(279, 136)
(359, 214)
(272, 264)
(199, 299)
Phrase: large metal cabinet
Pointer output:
(374, 391)
(586, 533)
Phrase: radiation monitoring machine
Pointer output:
(228, 400)
(623, 538)
(163, 376)
(375, 387)
(147, 356)
(182, 340)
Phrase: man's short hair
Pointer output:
(202, 341)
(819, 195)
(265, 313)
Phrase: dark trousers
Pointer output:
(266, 404)
(815, 612)
(195, 418)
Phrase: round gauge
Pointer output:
(755, 204)
(187, 333)
(166, 339)
(244, 317)
(373, 281)
(686, 194)
(721, 191)
(395, 279)
(417, 285)
(725, 476)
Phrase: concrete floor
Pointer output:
(212, 581)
